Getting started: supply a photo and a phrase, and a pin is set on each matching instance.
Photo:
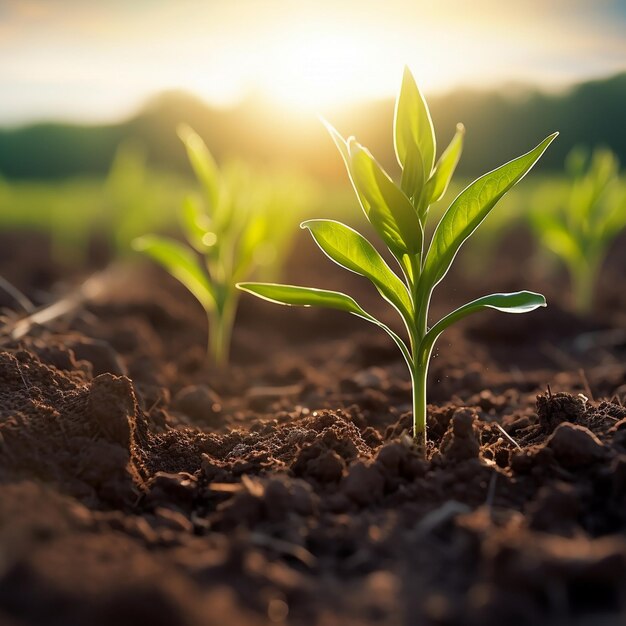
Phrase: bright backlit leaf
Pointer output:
(439, 181)
(292, 295)
(385, 204)
(413, 126)
(470, 208)
(351, 250)
(516, 302)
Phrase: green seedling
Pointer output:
(230, 230)
(399, 213)
(581, 228)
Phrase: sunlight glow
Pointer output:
(312, 68)
(102, 60)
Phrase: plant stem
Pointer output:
(583, 287)
(419, 370)
(418, 379)
(220, 332)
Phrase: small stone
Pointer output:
(391, 455)
(371, 378)
(364, 484)
(460, 442)
(177, 489)
(198, 402)
(556, 508)
(554, 409)
(112, 405)
(213, 469)
(327, 467)
(575, 446)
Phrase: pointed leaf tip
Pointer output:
(470, 208)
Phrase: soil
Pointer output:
(140, 486)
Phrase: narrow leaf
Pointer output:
(251, 242)
(202, 162)
(291, 295)
(516, 302)
(196, 225)
(351, 250)
(413, 126)
(340, 142)
(181, 263)
(469, 209)
(439, 181)
(413, 177)
(385, 205)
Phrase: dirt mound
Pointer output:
(138, 485)
(83, 436)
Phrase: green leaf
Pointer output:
(413, 177)
(385, 205)
(196, 225)
(291, 295)
(413, 127)
(516, 302)
(340, 142)
(181, 263)
(439, 181)
(468, 210)
(251, 242)
(202, 162)
(351, 250)
(556, 235)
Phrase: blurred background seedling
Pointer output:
(239, 223)
(579, 221)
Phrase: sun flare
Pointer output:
(314, 68)
(308, 66)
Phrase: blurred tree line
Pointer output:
(500, 124)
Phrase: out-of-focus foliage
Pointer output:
(241, 223)
(579, 221)
(134, 198)
(78, 212)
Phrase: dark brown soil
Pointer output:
(138, 486)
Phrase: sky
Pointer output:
(90, 60)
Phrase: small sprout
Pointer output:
(226, 230)
(399, 215)
(581, 229)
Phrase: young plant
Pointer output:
(582, 226)
(228, 230)
(399, 213)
